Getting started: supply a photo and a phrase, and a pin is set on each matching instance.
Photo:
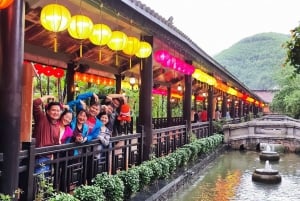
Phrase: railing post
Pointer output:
(26, 178)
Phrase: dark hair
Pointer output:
(82, 110)
(49, 105)
(65, 112)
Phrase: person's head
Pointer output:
(66, 117)
(94, 109)
(116, 102)
(81, 116)
(53, 110)
(103, 116)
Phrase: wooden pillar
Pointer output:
(70, 81)
(118, 83)
(240, 108)
(169, 109)
(26, 111)
(210, 103)
(11, 72)
(187, 101)
(145, 111)
(224, 105)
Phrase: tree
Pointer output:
(293, 50)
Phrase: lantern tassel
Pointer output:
(55, 43)
(130, 62)
(100, 55)
(117, 59)
(80, 50)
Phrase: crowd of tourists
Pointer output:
(88, 117)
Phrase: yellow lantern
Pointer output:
(132, 46)
(144, 51)
(56, 18)
(80, 28)
(5, 3)
(117, 41)
(100, 35)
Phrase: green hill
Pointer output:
(255, 59)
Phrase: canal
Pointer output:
(229, 178)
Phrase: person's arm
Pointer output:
(85, 96)
(111, 96)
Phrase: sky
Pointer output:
(215, 25)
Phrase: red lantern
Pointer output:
(58, 72)
(39, 68)
(48, 71)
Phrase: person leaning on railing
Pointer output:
(47, 127)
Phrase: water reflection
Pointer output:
(229, 178)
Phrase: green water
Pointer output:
(229, 178)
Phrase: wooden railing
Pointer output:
(69, 170)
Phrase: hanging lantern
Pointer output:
(48, 71)
(56, 18)
(80, 28)
(100, 35)
(5, 3)
(144, 51)
(132, 46)
(161, 55)
(117, 41)
(58, 73)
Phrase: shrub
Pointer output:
(165, 167)
(131, 180)
(63, 197)
(145, 174)
(112, 186)
(89, 193)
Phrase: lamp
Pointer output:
(132, 46)
(5, 3)
(132, 81)
(56, 18)
(144, 51)
(179, 87)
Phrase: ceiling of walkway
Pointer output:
(39, 45)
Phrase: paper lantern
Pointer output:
(117, 41)
(100, 35)
(58, 73)
(5, 3)
(161, 56)
(80, 28)
(48, 71)
(56, 18)
(132, 46)
(144, 51)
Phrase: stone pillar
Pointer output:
(11, 73)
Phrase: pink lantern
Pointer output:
(161, 56)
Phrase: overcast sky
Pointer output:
(215, 25)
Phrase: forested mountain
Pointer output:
(254, 60)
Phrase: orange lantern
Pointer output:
(56, 18)
(80, 28)
(5, 3)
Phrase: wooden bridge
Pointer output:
(272, 129)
